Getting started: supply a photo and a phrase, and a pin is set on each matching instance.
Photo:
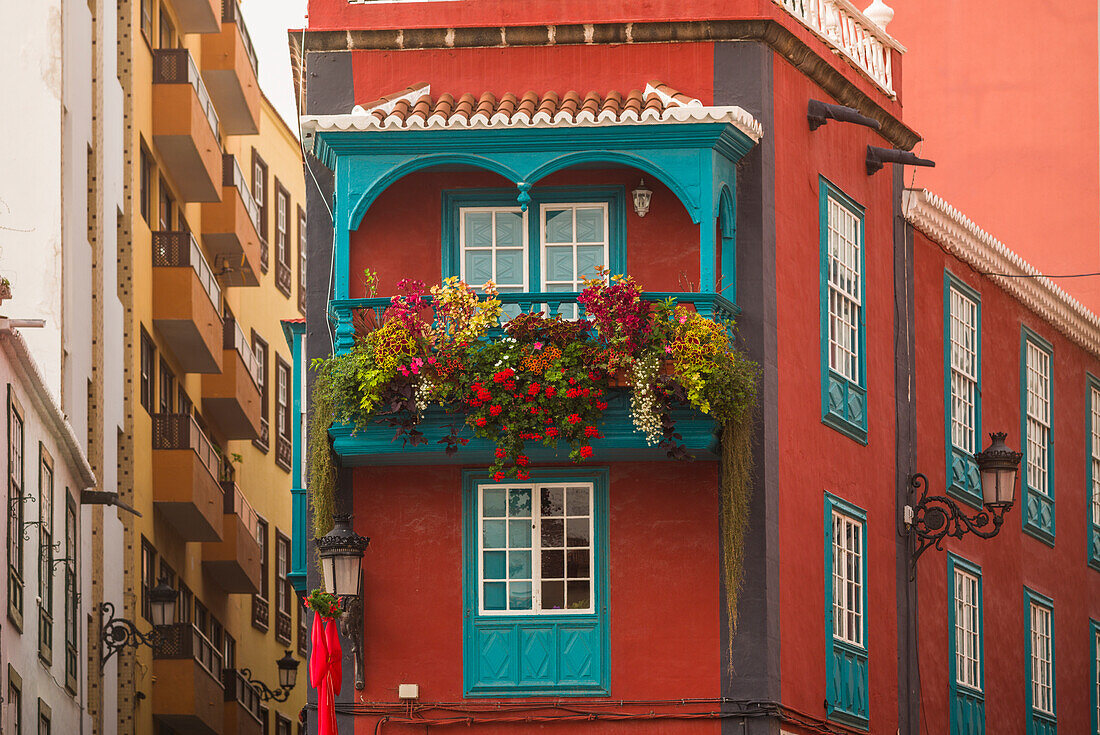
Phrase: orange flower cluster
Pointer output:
(537, 362)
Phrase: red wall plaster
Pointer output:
(1013, 559)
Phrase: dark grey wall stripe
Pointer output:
(905, 454)
(330, 89)
(743, 76)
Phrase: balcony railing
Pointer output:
(260, 612)
(181, 431)
(231, 13)
(233, 176)
(239, 690)
(179, 249)
(175, 66)
(841, 24)
(564, 303)
(283, 452)
(185, 641)
(282, 627)
(236, 503)
(282, 277)
(234, 339)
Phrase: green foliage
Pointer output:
(323, 603)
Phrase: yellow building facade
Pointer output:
(213, 234)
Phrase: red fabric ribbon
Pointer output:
(325, 671)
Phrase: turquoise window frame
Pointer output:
(1039, 723)
(843, 402)
(963, 481)
(1094, 675)
(1036, 510)
(613, 196)
(563, 630)
(967, 704)
(1092, 552)
(846, 680)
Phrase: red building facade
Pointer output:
(754, 212)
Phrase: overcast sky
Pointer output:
(268, 21)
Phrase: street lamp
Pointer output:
(935, 517)
(642, 196)
(341, 553)
(119, 633)
(288, 677)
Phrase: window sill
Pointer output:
(856, 433)
(1037, 516)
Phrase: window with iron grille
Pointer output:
(148, 356)
(1041, 698)
(1037, 467)
(842, 333)
(962, 376)
(16, 500)
(72, 663)
(45, 554)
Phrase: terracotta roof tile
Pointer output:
(415, 108)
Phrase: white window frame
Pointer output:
(536, 548)
(1042, 670)
(543, 244)
(968, 630)
(846, 292)
(282, 228)
(462, 248)
(282, 400)
(847, 622)
(964, 370)
(1037, 374)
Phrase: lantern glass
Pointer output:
(288, 671)
(643, 195)
(162, 601)
(341, 553)
(999, 467)
(346, 574)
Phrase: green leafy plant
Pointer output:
(323, 603)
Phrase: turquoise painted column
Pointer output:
(707, 217)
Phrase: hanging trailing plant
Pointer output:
(543, 381)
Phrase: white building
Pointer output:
(45, 669)
(61, 199)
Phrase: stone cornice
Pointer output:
(961, 237)
(765, 30)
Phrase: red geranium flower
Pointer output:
(574, 418)
(481, 421)
(552, 431)
(591, 431)
(498, 476)
(534, 389)
(495, 410)
(550, 391)
(501, 453)
(522, 475)
(601, 405)
(522, 460)
(586, 451)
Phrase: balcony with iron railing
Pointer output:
(185, 126)
(186, 491)
(231, 399)
(231, 228)
(234, 562)
(243, 715)
(187, 667)
(186, 302)
(229, 67)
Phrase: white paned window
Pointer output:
(1096, 671)
(493, 242)
(1038, 417)
(535, 549)
(967, 631)
(845, 292)
(964, 370)
(1094, 453)
(1042, 670)
(847, 579)
(574, 245)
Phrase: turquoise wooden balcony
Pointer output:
(621, 441)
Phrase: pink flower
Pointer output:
(538, 345)
(668, 349)
(404, 370)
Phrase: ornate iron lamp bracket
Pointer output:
(119, 633)
(936, 517)
(351, 627)
(265, 692)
